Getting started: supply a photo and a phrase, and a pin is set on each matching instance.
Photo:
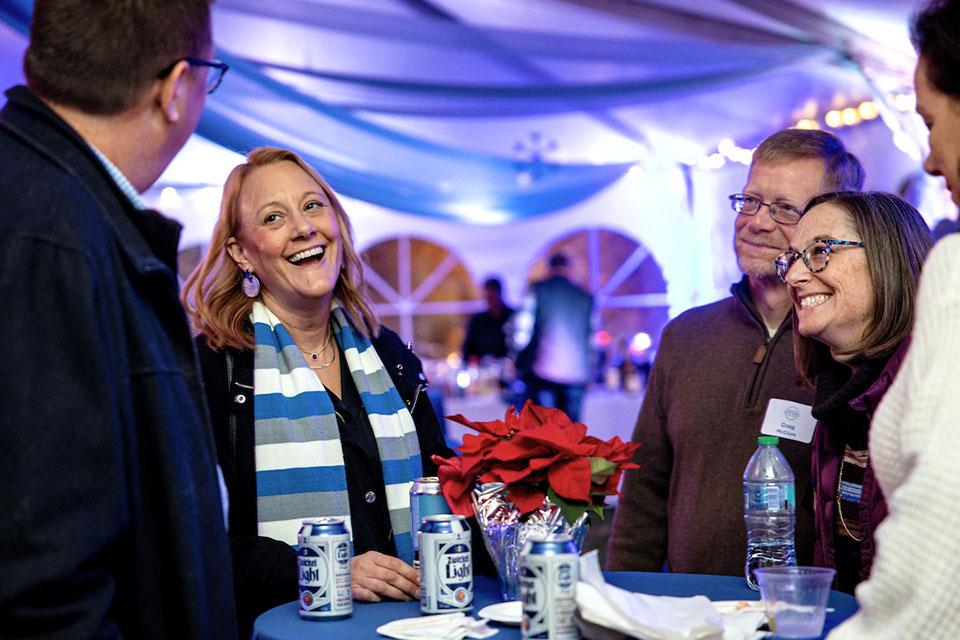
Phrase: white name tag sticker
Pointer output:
(790, 420)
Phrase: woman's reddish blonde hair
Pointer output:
(213, 294)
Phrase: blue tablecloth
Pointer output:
(283, 622)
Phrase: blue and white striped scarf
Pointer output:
(299, 458)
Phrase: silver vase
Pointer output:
(504, 534)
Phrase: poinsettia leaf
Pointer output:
(510, 476)
(474, 443)
(527, 498)
(515, 449)
(455, 487)
(571, 479)
(546, 462)
(597, 497)
(487, 476)
(601, 469)
(614, 450)
(495, 427)
(512, 419)
(559, 438)
(571, 511)
(533, 416)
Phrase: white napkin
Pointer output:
(641, 615)
(447, 626)
(656, 617)
(742, 625)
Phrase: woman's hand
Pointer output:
(376, 575)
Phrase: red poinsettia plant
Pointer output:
(537, 453)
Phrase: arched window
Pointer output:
(422, 291)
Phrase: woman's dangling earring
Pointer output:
(251, 284)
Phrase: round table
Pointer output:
(283, 622)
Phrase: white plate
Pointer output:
(503, 612)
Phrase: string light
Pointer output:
(904, 101)
(728, 150)
(726, 146)
(850, 116)
(868, 110)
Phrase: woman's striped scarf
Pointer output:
(299, 459)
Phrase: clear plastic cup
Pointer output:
(795, 599)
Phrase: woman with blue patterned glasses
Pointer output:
(852, 270)
(318, 410)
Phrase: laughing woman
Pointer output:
(852, 269)
(317, 409)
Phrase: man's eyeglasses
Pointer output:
(779, 211)
(214, 77)
(816, 256)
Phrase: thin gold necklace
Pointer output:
(843, 520)
(314, 357)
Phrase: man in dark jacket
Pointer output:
(113, 522)
(717, 368)
(552, 333)
(486, 331)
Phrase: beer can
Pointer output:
(323, 561)
(550, 569)
(426, 499)
(446, 569)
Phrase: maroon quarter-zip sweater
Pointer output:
(716, 369)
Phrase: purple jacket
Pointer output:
(825, 471)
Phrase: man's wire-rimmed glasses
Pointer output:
(780, 211)
(815, 255)
(214, 77)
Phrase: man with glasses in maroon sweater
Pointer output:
(717, 369)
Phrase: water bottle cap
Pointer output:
(768, 440)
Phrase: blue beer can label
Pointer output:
(550, 570)
(323, 562)
(426, 499)
(446, 566)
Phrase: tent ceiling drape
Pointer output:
(436, 107)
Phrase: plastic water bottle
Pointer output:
(769, 509)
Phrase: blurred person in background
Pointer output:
(553, 337)
(486, 331)
(852, 268)
(913, 591)
(112, 524)
(718, 367)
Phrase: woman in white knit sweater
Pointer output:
(914, 589)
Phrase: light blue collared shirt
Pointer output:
(121, 180)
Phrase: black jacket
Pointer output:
(111, 519)
(266, 569)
